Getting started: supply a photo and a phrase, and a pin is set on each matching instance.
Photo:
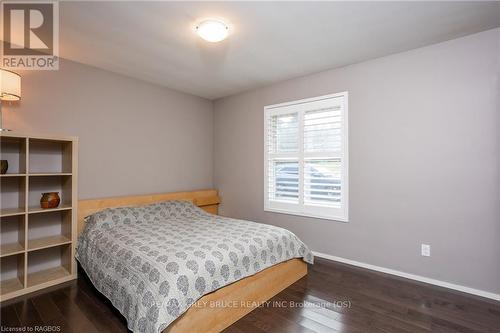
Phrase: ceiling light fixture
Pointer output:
(212, 30)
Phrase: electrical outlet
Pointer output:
(426, 250)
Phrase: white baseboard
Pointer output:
(444, 284)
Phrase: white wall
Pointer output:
(424, 160)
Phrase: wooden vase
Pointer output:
(50, 200)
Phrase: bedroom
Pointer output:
(361, 139)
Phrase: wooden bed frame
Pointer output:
(221, 308)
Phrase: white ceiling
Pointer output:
(269, 41)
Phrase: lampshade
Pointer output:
(10, 86)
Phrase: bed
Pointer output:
(169, 264)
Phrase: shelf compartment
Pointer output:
(12, 232)
(47, 275)
(14, 151)
(48, 230)
(49, 264)
(13, 193)
(48, 174)
(10, 285)
(11, 249)
(46, 242)
(38, 209)
(12, 273)
(42, 184)
(50, 156)
(12, 212)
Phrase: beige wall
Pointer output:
(135, 137)
(424, 160)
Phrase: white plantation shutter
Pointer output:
(284, 131)
(283, 147)
(322, 160)
(306, 157)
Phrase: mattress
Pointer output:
(153, 262)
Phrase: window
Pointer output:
(306, 160)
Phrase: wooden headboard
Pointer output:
(206, 199)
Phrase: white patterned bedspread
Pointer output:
(153, 262)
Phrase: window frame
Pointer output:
(300, 209)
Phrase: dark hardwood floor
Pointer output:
(332, 298)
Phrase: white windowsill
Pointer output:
(316, 216)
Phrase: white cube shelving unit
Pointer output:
(37, 246)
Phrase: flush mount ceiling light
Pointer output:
(212, 30)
